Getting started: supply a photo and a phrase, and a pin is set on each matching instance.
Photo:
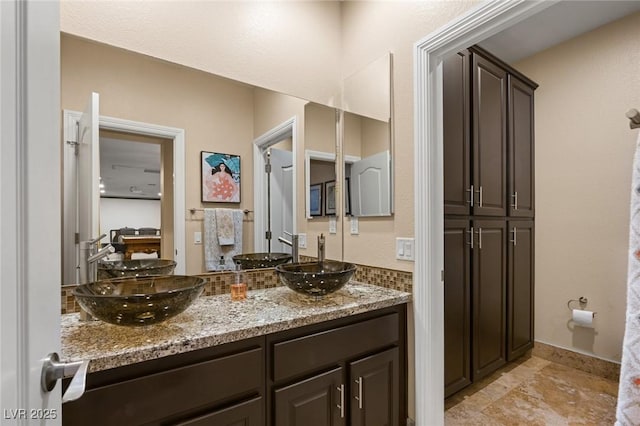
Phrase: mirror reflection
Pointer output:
(367, 140)
(200, 112)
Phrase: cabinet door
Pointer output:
(456, 134)
(248, 413)
(521, 137)
(520, 288)
(489, 296)
(457, 305)
(374, 383)
(317, 401)
(489, 138)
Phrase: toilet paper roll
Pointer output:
(583, 318)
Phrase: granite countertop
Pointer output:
(215, 320)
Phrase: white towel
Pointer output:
(628, 410)
(213, 251)
(225, 228)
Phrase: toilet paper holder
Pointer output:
(582, 301)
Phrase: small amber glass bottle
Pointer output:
(239, 287)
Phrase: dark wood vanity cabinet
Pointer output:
(350, 375)
(221, 385)
(349, 371)
(488, 193)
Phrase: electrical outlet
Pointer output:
(332, 225)
(302, 240)
(354, 225)
(405, 249)
(197, 237)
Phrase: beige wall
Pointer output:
(216, 113)
(584, 152)
(289, 47)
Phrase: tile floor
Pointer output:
(533, 391)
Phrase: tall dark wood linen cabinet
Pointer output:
(489, 216)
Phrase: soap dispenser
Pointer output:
(239, 287)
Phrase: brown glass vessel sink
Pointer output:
(315, 278)
(137, 301)
(135, 268)
(261, 260)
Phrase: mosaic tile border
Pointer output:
(589, 364)
(258, 279)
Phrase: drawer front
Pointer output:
(320, 350)
(248, 413)
(161, 395)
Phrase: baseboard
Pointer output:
(589, 364)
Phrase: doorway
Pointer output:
(136, 191)
(173, 184)
(281, 141)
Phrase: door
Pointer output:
(317, 401)
(521, 155)
(456, 134)
(520, 288)
(30, 207)
(249, 413)
(458, 236)
(374, 383)
(489, 296)
(370, 189)
(281, 198)
(489, 138)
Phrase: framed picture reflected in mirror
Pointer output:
(315, 199)
(330, 197)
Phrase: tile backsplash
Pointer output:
(257, 279)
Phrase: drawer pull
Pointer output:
(359, 396)
(341, 405)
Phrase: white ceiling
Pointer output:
(560, 22)
(130, 169)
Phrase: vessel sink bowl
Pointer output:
(139, 301)
(135, 268)
(261, 260)
(315, 278)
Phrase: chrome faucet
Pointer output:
(321, 248)
(89, 256)
(293, 244)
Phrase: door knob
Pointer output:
(53, 370)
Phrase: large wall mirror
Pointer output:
(218, 115)
(368, 141)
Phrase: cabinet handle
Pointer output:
(479, 232)
(515, 236)
(359, 397)
(479, 191)
(470, 242)
(470, 191)
(515, 200)
(341, 405)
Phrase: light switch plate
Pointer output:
(354, 225)
(405, 249)
(197, 237)
(332, 225)
(302, 240)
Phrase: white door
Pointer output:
(30, 208)
(370, 186)
(281, 198)
(88, 167)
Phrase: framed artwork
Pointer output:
(330, 197)
(220, 177)
(315, 199)
(347, 196)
